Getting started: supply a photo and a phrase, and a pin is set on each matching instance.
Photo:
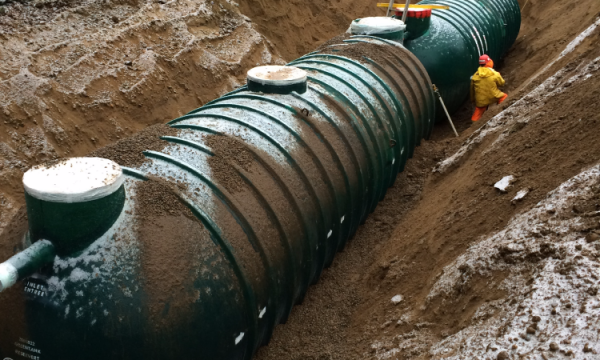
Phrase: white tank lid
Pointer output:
(277, 75)
(74, 180)
(376, 25)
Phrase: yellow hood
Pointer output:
(485, 72)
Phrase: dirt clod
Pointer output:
(591, 237)
(503, 355)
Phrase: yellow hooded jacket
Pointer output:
(484, 87)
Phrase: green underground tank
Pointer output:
(197, 249)
(449, 42)
(195, 239)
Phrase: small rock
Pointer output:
(553, 312)
(554, 346)
(504, 183)
(115, 19)
(536, 319)
(530, 330)
(502, 355)
(587, 349)
(397, 299)
(578, 247)
(591, 237)
(128, 63)
(515, 347)
(520, 195)
(2, 10)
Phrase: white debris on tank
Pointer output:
(79, 275)
(102, 263)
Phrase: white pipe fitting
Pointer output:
(8, 276)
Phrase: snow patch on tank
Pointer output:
(106, 262)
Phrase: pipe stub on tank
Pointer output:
(73, 201)
(8, 276)
(381, 26)
(275, 79)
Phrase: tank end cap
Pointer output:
(74, 180)
(73, 201)
(275, 79)
(380, 26)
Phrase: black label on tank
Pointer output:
(26, 349)
(35, 287)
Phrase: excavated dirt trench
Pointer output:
(75, 76)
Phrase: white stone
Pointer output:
(520, 195)
(74, 180)
(397, 299)
(505, 183)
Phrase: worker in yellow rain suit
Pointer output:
(484, 87)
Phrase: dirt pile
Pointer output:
(534, 283)
(162, 215)
(310, 23)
